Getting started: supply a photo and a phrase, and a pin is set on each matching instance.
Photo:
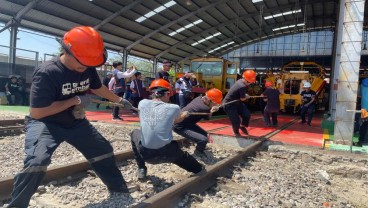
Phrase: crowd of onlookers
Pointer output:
(15, 90)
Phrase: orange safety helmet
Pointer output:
(215, 95)
(86, 45)
(250, 76)
(268, 84)
(161, 83)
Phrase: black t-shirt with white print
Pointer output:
(52, 81)
(307, 96)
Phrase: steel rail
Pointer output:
(207, 178)
(62, 171)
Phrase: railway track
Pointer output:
(11, 127)
(169, 196)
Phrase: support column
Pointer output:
(336, 56)
(154, 67)
(348, 78)
(125, 59)
(12, 48)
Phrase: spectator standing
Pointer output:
(164, 73)
(234, 110)
(56, 114)
(136, 87)
(117, 84)
(154, 141)
(309, 103)
(12, 89)
(183, 88)
(128, 81)
(272, 107)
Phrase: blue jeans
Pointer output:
(41, 141)
(304, 110)
(194, 133)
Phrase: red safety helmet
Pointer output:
(268, 84)
(215, 95)
(161, 83)
(86, 45)
(250, 76)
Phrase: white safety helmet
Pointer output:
(307, 85)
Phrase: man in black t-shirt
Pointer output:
(234, 110)
(12, 89)
(309, 100)
(164, 74)
(188, 128)
(57, 99)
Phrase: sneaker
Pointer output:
(117, 118)
(244, 130)
(237, 134)
(142, 173)
(302, 122)
(309, 124)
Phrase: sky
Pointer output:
(33, 41)
(29, 40)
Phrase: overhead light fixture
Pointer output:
(256, 1)
(188, 2)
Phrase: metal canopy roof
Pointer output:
(236, 20)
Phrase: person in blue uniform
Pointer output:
(57, 99)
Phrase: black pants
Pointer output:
(363, 131)
(115, 110)
(136, 101)
(194, 133)
(238, 114)
(304, 110)
(270, 113)
(41, 141)
(170, 153)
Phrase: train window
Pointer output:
(229, 82)
(231, 69)
(210, 68)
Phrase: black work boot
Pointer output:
(142, 173)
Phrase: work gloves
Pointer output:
(184, 114)
(247, 96)
(79, 112)
(215, 108)
(126, 105)
(84, 100)
(364, 113)
(8, 93)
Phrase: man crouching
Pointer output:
(153, 143)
